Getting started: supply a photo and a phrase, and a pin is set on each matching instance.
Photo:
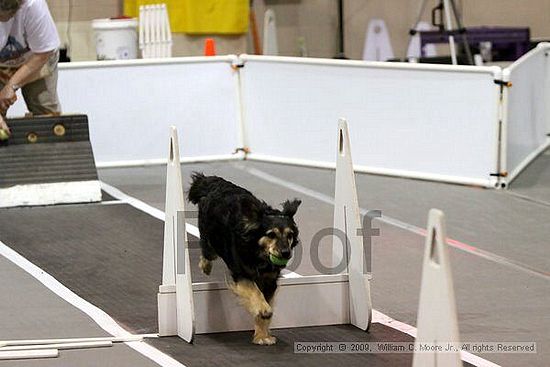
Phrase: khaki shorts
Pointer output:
(41, 95)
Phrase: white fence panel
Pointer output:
(131, 104)
(527, 115)
(434, 122)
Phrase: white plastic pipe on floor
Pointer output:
(28, 354)
(124, 339)
(80, 345)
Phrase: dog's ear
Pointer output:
(290, 207)
(252, 215)
(250, 224)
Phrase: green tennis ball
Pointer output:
(4, 135)
(275, 260)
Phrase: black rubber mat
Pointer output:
(235, 349)
(47, 150)
(111, 255)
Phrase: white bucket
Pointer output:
(115, 39)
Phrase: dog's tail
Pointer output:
(199, 187)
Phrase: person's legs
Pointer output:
(41, 95)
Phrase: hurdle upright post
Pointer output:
(167, 315)
(347, 220)
(437, 319)
(185, 309)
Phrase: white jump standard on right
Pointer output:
(347, 216)
(437, 319)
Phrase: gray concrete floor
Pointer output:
(496, 300)
(31, 311)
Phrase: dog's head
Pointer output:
(278, 231)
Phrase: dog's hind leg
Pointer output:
(208, 255)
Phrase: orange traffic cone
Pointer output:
(209, 47)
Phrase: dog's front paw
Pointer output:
(264, 340)
(205, 265)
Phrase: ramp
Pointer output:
(48, 160)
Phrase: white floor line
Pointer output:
(99, 316)
(400, 224)
(377, 316)
(383, 319)
(113, 202)
(144, 207)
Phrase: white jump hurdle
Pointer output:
(437, 319)
(345, 298)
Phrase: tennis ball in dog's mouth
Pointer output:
(4, 135)
(276, 260)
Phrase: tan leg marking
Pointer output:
(205, 265)
(261, 332)
(251, 298)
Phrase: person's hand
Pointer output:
(3, 125)
(7, 97)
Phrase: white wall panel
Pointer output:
(131, 104)
(527, 119)
(434, 122)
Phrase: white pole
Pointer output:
(122, 339)
(147, 31)
(168, 33)
(141, 31)
(163, 35)
(449, 27)
(29, 354)
(271, 46)
(155, 30)
(81, 345)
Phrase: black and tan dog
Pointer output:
(254, 240)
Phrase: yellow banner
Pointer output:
(200, 16)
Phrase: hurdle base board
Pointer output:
(299, 302)
(167, 315)
(51, 193)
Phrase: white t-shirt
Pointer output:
(31, 30)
